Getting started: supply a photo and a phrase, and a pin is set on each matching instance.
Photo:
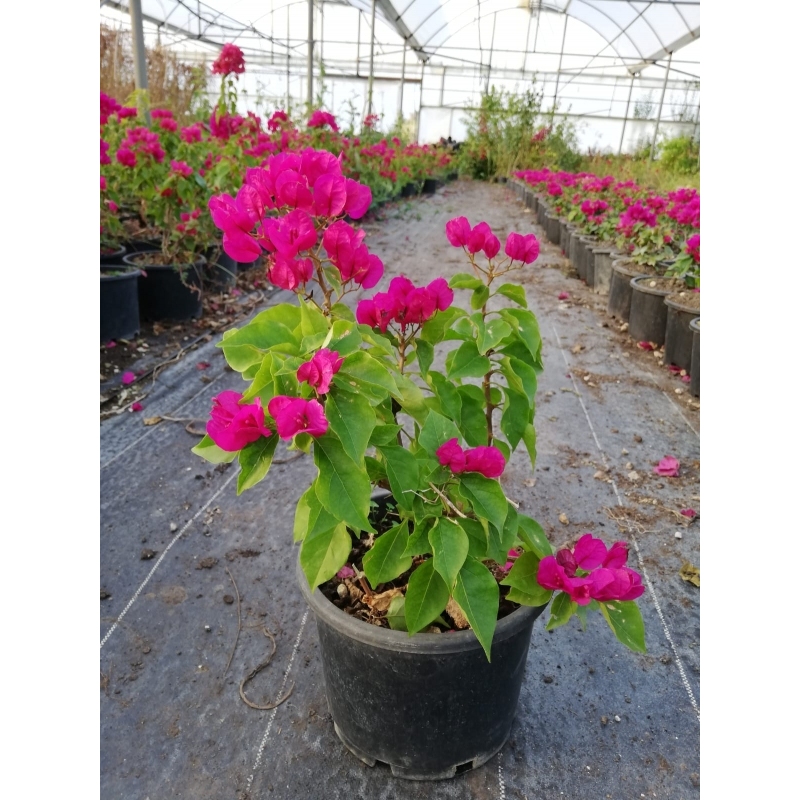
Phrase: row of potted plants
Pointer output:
(424, 577)
(639, 248)
(157, 179)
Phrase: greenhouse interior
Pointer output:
(400, 399)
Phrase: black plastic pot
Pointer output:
(678, 338)
(409, 190)
(111, 257)
(142, 245)
(430, 186)
(542, 210)
(601, 261)
(648, 319)
(452, 176)
(694, 385)
(430, 706)
(169, 292)
(572, 253)
(584, 266)
(220, 272)
(563, 238)
(119, 302)
(619, 290)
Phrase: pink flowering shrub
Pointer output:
(366, 395)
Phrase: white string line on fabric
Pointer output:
(274, 711)
(156, 427)
(653, 594)
(163, 555)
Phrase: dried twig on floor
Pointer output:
(239, 623)
(255, 672)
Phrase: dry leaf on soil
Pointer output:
(690, 573)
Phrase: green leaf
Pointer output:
(263, 384)
(375, 469)
(324, 553)
(310, 517)
(424, 352)
(396, 614)
(342, 312)
(527, 326)
(418, 544)
(402, 470)
(463, 329)
(532, 535)
(312, 320)
(501, 540)
(435, 432)
(384, 434)
(342, 487)
(478, 540)
(463, 280)
(426, 597)
(473, 415)
(435, 329)
(492, 334)
(450, 545)
(515, 418)
(625, 619)
(514, 292)
(486, 496)
(561, 610)
(271, 328)
(386, 558)
(529, 437)
(522, 378)
(522, 576)
(503, 448)
(345, 339)
(479, 297)
(255, 460)
(525, 599)
(351, 418)
(478, 595)
(411, 398)
(468, 363)
(449, 398)
(212, 452)
(368, 370)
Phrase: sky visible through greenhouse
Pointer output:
(600, 64)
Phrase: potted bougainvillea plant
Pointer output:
(424, 578)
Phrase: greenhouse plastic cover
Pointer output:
(634, 30)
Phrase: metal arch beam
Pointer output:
(396, 21)
(668, 50)
(641, 16)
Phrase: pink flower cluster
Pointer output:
(319, 119)
(108, 106)
(295, 415)
(693, 247)
(522, 248)
(319, 371)
(192, 133)
(230, 60)
(275, 122)
(603, 574)
(223, 126)
(489, 461)
(104, 158)
(405, 304)
(477, 239)
(232, 425)
(139, 141)
(308, 183)
(180, 168)
(594, 208)
(185, 225)
(633, 215)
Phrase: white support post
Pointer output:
(139, 53)
(625, 121)
(660, 109)
(403, 77)
(371, 61)
(310, 64)
(560, 58)
(491, 52)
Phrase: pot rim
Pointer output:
(118, 253)
(649, 289)
(678, 306)
(400, 641)
(620, 265)
(127, 270)
(130, 261)
(694, 324)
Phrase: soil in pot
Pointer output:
(682, 308)
(119, 303)
(112, 255)
(167, 292)
(694, 384)
(430, 706)
(648, 317)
